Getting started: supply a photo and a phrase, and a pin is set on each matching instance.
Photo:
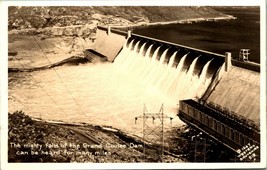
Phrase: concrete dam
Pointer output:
(216, 94)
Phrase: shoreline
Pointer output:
(182, 21)
(132, 25)
(58, 142)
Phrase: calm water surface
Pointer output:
(219, 37)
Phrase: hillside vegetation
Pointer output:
(41, 17)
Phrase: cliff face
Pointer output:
(41, 17)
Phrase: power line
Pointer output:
(153, 131)
(55, 69)
(20, 102)
(42, 88)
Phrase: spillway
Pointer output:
(178, 72)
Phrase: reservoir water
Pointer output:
(219, 37)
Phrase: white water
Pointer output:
(109, 94)
(175, 83)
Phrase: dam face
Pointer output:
(216, 95)
(179, 72)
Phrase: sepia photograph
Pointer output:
(135, 84)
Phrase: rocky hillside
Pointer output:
(41, 17)
(36, 140)
(40, 141)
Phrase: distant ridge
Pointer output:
(41, 17)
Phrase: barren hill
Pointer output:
(40, 17)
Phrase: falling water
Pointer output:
(162, 69)
(152, 64)
(170, 64)
(172, 75)
(203, 81)
(157, 71)
(186, 80)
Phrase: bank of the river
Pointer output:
(33, 140)
(36, 140)
(182, 21)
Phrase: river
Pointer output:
(98, 94)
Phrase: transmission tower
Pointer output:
(200, 147)
(157, 130)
